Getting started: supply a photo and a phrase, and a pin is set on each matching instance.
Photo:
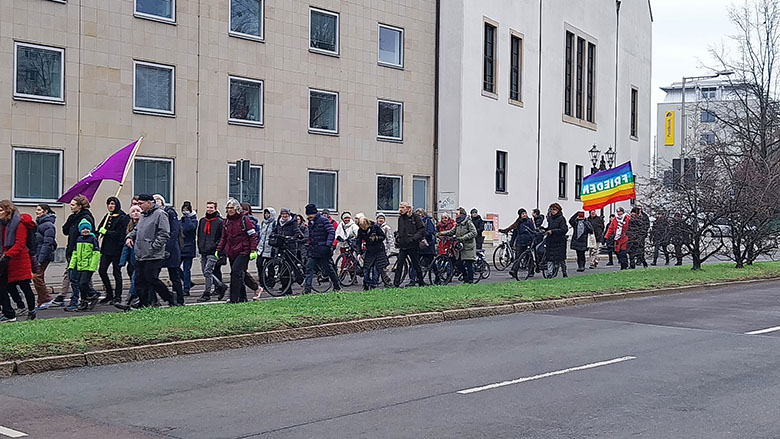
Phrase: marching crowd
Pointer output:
(152, 236)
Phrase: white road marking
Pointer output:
(11, 433)
(764, 331)
(545, 375)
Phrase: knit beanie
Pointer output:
(84, 224)
(311, 209)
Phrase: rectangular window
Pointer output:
(489, 59)
(562, 179)
(577, 182)
(707, 116)
(323, 31)
(515, 75)
(39, 72)
(708, 93)
(162, 10)
(246, 19)
(246, 101)
(153, 88)
(390, 120)
(323, 111)
(37, 174)
(388, 193)
(391, 46)
(567, 74)
(580, 78)
(634, 109)
(420, 192)
(323, 186)
(707, 138)
(153, 176)
(591, 71)
(247, 191)
(500, 171)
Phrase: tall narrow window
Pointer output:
(591, 71)
(246, 19)
(567, 73)
(562, 179)
(500, 171)
(634, 104)
(516, 53)
(489, 59)
(37, 174)
(420, 192)
(577, 182)
(580, 66)
(39, 72)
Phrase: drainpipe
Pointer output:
(539, 112)
(436, 112)
(617, 64)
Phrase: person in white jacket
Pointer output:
(346, 230)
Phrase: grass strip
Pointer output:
(42, 338)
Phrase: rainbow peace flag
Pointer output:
(607, 187)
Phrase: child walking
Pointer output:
(85, 260)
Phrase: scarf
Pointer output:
(209, 220)
(460, 219)
(580, 228)
(621, 221)
(10, 230)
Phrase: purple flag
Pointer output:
(112, 168)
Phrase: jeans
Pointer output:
(133, 293)
(467, 268)
(105, 261)
(580, 259)
(414, 256)
(186, 266)
(660, 248)
(594, 256)
(73, 278)
(39, 282)
(174, 274)
(85, 285)
(148, 283)
(326, 266)
(238, 267)
(207, 265)
(370, 277)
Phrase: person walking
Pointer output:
(479, 224)
(556, 240)
(287, 227)
(210, 229)
(302, 251)
(113, 231)
(636, 240)
(173, 250)
(410, 232)
(374, 257)
(334, 223)
(390, 249)
(128, 256)
(595, 239)
(659, 237)
(264, 249)
(79, 208)
(618, 232)
(582, 231)
(15, 261)
(149, 239)
(189, 231)
(446, 223)
(45, 246)
(321, 237)
(428, 246)
(466, 234)
(239, 244)
(679, 236)
(610, 243)
(523, 235)
(86, 260)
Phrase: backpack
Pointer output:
(32, 246)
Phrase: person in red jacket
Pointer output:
(618, 230)
(239, 244)
(15, 263)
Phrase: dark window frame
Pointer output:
(590, 83)
(569, 59)
(562, 173)
(489, 58)
(515, 72)
(578, 176)
(634, 112)
(501, 168)
(580, 80)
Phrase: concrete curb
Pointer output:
(198, 346)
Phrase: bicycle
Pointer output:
(504, 254)
(481, 267)
(348, 266)
(533, 258)
(285, 267)
(444, 267)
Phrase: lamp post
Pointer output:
(597, 159)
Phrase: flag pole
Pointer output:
(128, 165)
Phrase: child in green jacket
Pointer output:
(85, 261)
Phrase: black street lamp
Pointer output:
(601, 162)
(594, 158)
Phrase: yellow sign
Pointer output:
(669, 129)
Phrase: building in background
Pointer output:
(527, 88)
(332, 102)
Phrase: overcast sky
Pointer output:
(683, 31)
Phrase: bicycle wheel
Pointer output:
(481, 269)
(402, 266)
(502, 257)
(441, 270)
(521, 266)
(277, 277)
(320, 283)
(345, 267)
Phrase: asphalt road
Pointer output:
(678, 366)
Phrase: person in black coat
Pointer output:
(660, 237)
(112, 230)
(410, 232)
(374, 257)
(189, 230)
(556, 240)
(173, 249)
(79, 208)
(321, 237)
(479, 224)
(581, 228)
(45, 245)
(209, 234)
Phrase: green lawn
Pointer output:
(80, 334)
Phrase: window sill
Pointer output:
(502, 193)
(41, 100)
(563, 198)
(389, 139)
(246, 123)
(153, 113)
(324, 133)
(390, 66)
(155, 18)
(490, 95)
(634, 138)
(324, 52)
(255, 38)
(35, 202)
(516, 103)
(579, 122)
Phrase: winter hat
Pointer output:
(520, 212)
(474, 211)
(186, 206)
(159, 199)
(145, 197)
(311, 209)
(84, 224)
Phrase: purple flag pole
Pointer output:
(115, 168)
